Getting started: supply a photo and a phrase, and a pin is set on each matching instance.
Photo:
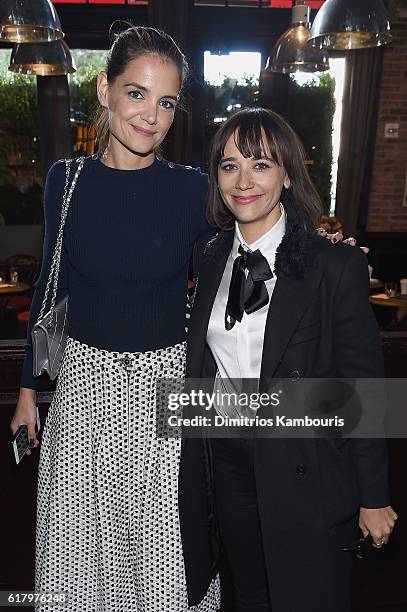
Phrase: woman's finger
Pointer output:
(337, 237)
(380, 541)
(31, 431)
(33, 442)
(14, 426)
(364, 530)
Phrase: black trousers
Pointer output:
(239, 524)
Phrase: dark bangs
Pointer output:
(252, 136)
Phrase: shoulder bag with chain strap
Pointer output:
(49, 334)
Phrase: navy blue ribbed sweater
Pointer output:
(126, 248)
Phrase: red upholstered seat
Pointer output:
(24, 316)
(18, 303)
(22, 322)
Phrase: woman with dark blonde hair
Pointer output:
(276, 301)
(107, 507)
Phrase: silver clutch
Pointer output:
(49, 333)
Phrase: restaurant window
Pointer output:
(231, 83)
(338, 73)
(315, 112)
(20, 169)
(82, 86)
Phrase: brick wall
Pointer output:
(386, 213)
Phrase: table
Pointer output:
(398, 302)
(9, 288)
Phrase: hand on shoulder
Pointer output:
(338, 237)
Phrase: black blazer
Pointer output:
(319, 324)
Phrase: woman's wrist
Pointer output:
(27, 393)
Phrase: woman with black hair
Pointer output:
(274, 300)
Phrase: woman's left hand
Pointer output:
(379, 522)
(338, 237)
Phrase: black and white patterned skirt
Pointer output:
(107, 509)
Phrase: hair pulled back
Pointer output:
(127, 45)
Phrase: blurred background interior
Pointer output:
(346, 97)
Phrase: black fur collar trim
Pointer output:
(291, 258)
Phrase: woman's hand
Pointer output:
(25, 414)
(338, 237)
(379, 522)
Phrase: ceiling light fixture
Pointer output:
(292, 53)
(28, 21)
(351, 24)
(42, 59)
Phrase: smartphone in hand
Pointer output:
(20, 441)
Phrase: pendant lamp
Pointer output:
(26, 21)
(351, 24)
(292, 52)
(42, 59)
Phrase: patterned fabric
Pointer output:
(107, 513)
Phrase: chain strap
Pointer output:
(67, 201)
(56, 259)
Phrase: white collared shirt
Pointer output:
(238, 352)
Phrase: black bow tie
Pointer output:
(247, 294)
